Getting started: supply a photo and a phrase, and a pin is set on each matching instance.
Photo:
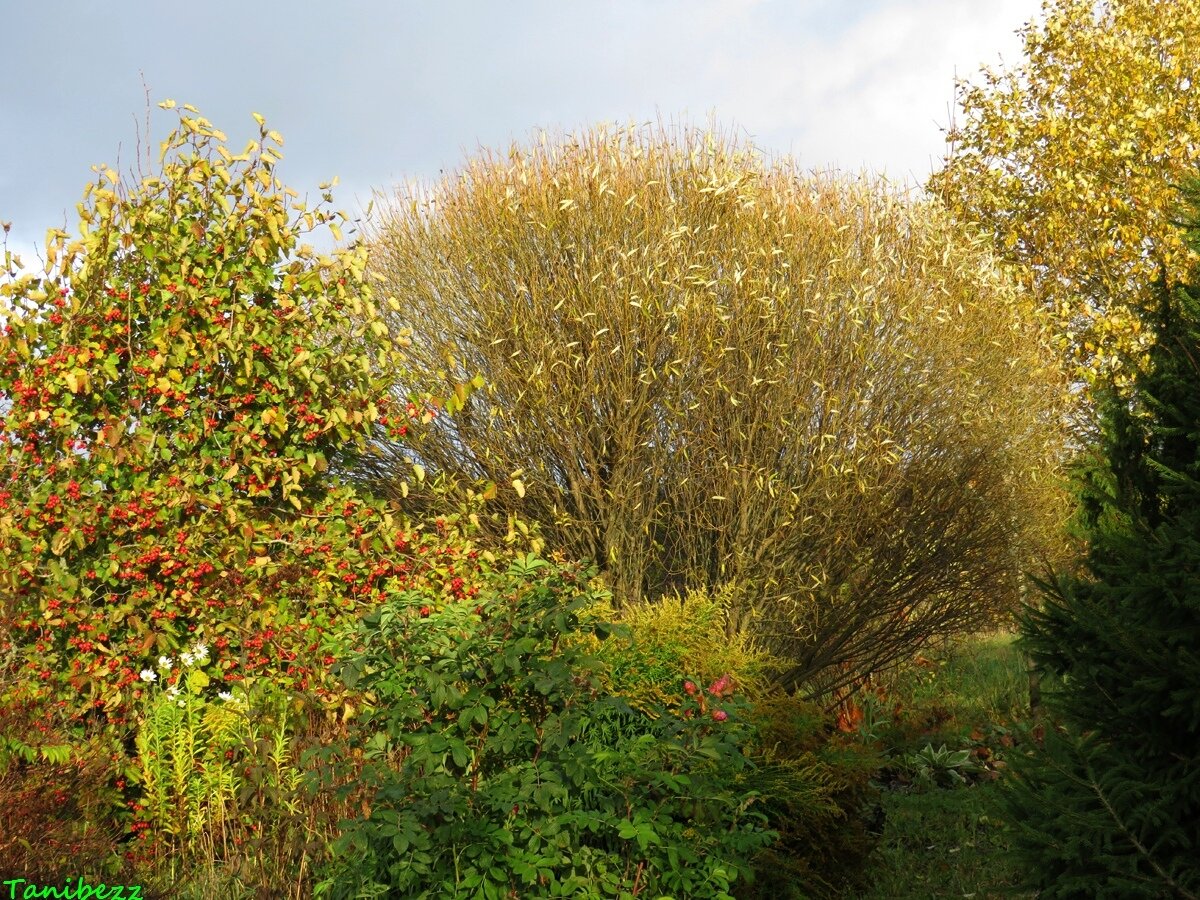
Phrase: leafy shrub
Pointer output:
(702, 368)
(60, 797)
(644, 661)
(492, 777)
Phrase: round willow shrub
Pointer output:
(703, 367)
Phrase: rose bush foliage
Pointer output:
(499, 766)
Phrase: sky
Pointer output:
(385, 92)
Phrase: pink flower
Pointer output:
(690, 688)
(722, 687)
(719, 715)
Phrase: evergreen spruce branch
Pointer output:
(1093, 785)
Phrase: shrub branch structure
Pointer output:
(704, 368)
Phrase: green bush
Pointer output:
(497, 768)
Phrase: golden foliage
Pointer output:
(705, 368)
(674, 639)
(1071, 162)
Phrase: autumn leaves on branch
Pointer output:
(1071, 161)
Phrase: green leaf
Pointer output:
(197, 681)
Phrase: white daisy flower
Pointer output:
(148, 675)
(187, 659)
(173, 690)
(200, 652)
(165, 662)
(225, 695)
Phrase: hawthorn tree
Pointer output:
(172, 389)
(1071, 159)
(703, 370)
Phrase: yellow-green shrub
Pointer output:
(675, 639)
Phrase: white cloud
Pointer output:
(874, 94)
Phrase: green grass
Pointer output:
(971, 684)
(948, 842)
(943, 843)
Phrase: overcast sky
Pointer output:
(381, 92)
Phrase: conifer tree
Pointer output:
(1110, 805)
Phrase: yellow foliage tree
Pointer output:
(705, 368)
(1070, 161)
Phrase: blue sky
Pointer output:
(378, 93)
